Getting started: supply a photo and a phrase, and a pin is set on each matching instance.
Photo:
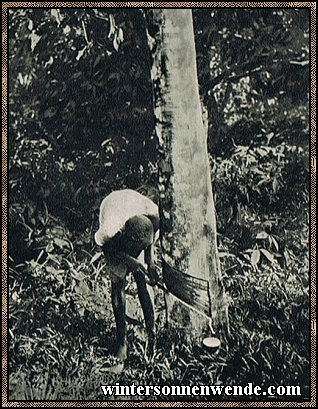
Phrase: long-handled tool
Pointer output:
(191, 291)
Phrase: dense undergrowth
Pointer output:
(62, 328)
(81, 125)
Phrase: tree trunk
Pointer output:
(188, 224)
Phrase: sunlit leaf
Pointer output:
(262, 235)
(61, 243)
(275, 243)
(255, 256)
(268, 255)
(112, 26)
(96, 257)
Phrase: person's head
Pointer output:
(137, 235)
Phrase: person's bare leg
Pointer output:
(147, 308)
(119, 309)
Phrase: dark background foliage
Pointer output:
(81, 124)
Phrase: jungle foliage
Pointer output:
(81, 125)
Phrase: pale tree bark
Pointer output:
(188, 223)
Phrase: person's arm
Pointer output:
(135, 265)
(132, 263)
(149, 255)
(149, 260)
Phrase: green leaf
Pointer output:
(49, 248)
(76, 75)
(287, 258)
(51, 270)
(81, 311)
(50, 112)
(268, 255)
(255, 256)
(275, 243)
(225, 254)
(96, 257)
(61, 243)
(262, 235)
(275, 185)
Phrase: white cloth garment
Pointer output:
(117, 208)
